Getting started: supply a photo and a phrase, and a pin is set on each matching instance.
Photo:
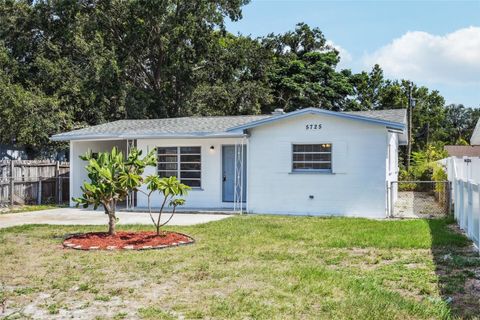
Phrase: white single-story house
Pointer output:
(310, 161)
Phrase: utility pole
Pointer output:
(409, 115)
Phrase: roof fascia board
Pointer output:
(146, 136)
(90, 137)
(183, 136)
(395, 125)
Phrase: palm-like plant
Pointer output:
(112, 177)
(170, 188)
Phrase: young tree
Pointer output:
(170, 188)
(112, 177)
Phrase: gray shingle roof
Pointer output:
(166, 127)
(393, 115)
(190, 126)
(463, 151)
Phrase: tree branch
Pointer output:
(173, 212)
(161, 210)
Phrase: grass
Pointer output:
(28, 208)
(261, 267)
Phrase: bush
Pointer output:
(439, 175)
(425, 167)
(424, 164)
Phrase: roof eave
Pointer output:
(186, 135)
(94, 137)
(61, 137)
(388, 124)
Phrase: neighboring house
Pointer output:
(463, 151)
(475, 138)
(11, 153)
(309, 161)
(18, 153)
(463, 162)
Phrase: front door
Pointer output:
(229, 184)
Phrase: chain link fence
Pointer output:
(419, 199)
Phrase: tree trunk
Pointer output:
(111, 224)
(112, 219)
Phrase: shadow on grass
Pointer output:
(457, 266)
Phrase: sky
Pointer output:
(433, 43)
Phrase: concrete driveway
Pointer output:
(74, 216)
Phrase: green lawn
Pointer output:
(254, 267)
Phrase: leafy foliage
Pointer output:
(69, 64)
(233, 79)
(425, 166)
(369, 89)
(458, 123)
(304, 72)
(170, 188)
(112, 177)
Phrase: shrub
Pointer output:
(425, 167)
(424, 163)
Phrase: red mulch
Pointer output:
(126, 240)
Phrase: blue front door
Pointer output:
(228, 172)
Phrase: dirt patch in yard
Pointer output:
(415, 204)
(246, 267)
(458, 273)
(126, 240)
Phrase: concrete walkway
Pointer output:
(74, 216)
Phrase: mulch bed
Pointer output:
(142, 240)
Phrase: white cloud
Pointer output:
(345, 56)
(453, 58)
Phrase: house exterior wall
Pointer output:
(210, 193)
(392, 170)
(356, 186)
(78, 174)
(364, 158)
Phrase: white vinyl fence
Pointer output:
(467, 208)
(464, 173)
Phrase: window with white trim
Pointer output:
(312, 157)
(185, 163)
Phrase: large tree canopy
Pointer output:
(160, 45)
(234, 78)
(67, 64)
(303, 74)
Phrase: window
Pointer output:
(312, 157)
(185, 163)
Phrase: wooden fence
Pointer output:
(33, 182)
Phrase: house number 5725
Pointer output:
(316, 126)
